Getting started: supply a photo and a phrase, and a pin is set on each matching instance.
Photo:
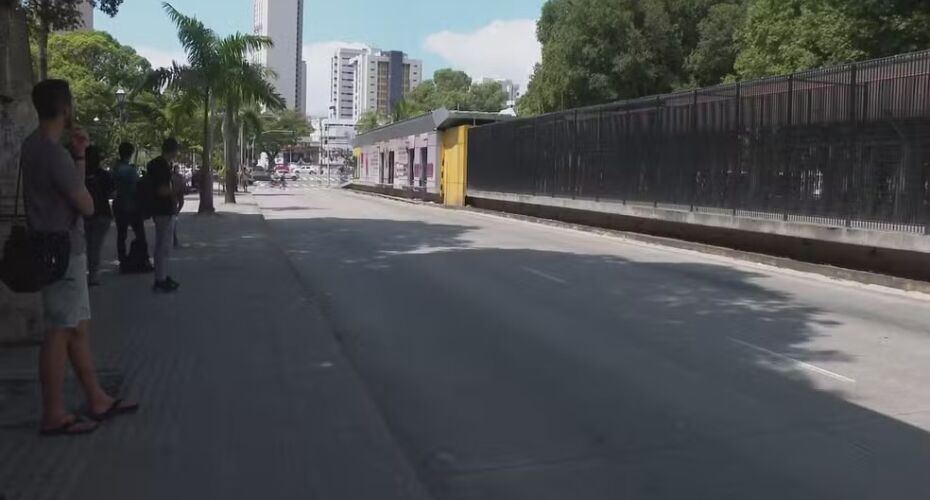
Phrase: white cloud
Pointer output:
(501, 49)
(319, 56)
(161, 58)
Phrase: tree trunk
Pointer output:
(206, 170)
(42, 42)
(19, 313)
(231, 153)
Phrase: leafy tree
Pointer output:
(596, 51)
(487, 96)
(370, 120)
(783, 36)
(217, 70)
(716, 45)
(282, 130)
(46, 16)
(96, 66)
(454, 89)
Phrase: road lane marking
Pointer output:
(544, 275)
(800, 364)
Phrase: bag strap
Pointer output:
(19, 189)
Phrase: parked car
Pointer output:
(304, 171)
(260, 174)
(286, 172)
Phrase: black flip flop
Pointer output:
(67, 429)
(115, 410)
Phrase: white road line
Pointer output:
(800, 364)
(544, 275)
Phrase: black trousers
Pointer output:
(125, 220)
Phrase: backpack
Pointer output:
(145, 196)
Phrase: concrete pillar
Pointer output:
(19, 314)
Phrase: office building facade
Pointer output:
(342, 83)
(282, 21)
(382, 79)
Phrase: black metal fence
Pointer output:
(846, 146)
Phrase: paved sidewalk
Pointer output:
(245, 391)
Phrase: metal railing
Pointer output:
(842, 146)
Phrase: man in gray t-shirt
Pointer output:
(55, 200)
(50, 177)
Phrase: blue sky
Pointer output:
(492, 38)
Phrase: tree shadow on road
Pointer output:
(519, 373)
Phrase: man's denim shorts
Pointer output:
(66, 303)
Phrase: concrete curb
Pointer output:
(837, 273)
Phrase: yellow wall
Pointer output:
(454, 165)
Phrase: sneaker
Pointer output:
(173, 284)
(163, 287)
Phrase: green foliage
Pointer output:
(218, 72)
(371, 120)
(597, 51)
(282, 130)
(782, 36)
(454, 90)
(64, 14)
(47, 15)
(96, 66)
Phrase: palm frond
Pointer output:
(200, 42)
(239, 46)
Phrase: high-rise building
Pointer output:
(302, 90)
(510, 88)
(87, 16)
(283, 22)
(382, 79)
(342, 83)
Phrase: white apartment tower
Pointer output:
(283, 22)
(382, 79)
(342, 84)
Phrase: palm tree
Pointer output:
(217, 70)
(244, 84)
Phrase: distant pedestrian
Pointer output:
(99, 184)
(55, 199)
(180, 191)
(128, 210)
(163, 207)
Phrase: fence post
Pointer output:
(739, 142)
(695, 164)
(853, 119)
(573, 158)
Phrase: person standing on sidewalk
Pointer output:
(163, 207)
(180, 190)
(100, 186)
(55, 199)
(126, 206)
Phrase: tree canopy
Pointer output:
(281, 130)
(598, 51)
(96, 66)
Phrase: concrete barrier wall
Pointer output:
(408, 193)
(896, 254)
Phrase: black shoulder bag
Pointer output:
(32, 259)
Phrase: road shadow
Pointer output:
(519, 373)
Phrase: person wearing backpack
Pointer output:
(128, 212)
(99, 184)
(55, 200)
(161, 205)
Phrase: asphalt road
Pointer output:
(519, 361)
